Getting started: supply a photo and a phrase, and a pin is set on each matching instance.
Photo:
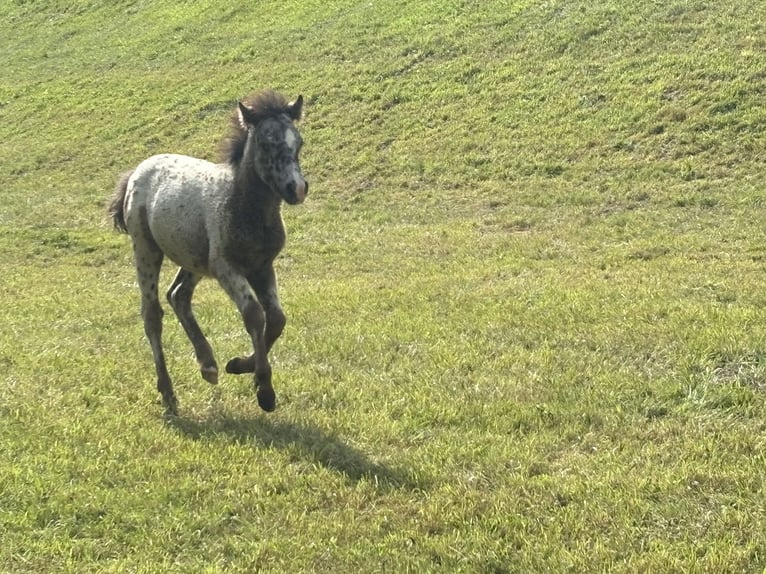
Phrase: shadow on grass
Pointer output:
(307, 441)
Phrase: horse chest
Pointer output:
(252, 245)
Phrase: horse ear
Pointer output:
(295, 108)
(245, 116)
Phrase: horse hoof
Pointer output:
(210, 374)
(240, 365)
(171, 405)
(266, 398)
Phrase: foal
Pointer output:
(219, 220)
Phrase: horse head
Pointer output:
(275, 143)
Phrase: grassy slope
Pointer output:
(525, 296)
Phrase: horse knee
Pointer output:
(277, 321)
(253, 317)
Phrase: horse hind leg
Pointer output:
(148, 257)
(179, 297)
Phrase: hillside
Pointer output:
(525, 296)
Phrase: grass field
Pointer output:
(525, 297)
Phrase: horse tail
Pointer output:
(116, 208)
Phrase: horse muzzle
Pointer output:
(297, 191)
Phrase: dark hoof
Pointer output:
(171, 405)
(210, 374)
(266, 398)
(240, 365)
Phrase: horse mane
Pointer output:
(263, 104)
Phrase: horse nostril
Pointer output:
(306, 187)
(296, 192)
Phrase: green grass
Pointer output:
(525, 296)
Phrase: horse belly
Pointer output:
(185, 242)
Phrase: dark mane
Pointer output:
(266, 103)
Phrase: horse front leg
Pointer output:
(264, 284)
(254, 318)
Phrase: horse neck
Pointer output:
(252, 185)
(251, 193)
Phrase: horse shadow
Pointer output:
(308, 441)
